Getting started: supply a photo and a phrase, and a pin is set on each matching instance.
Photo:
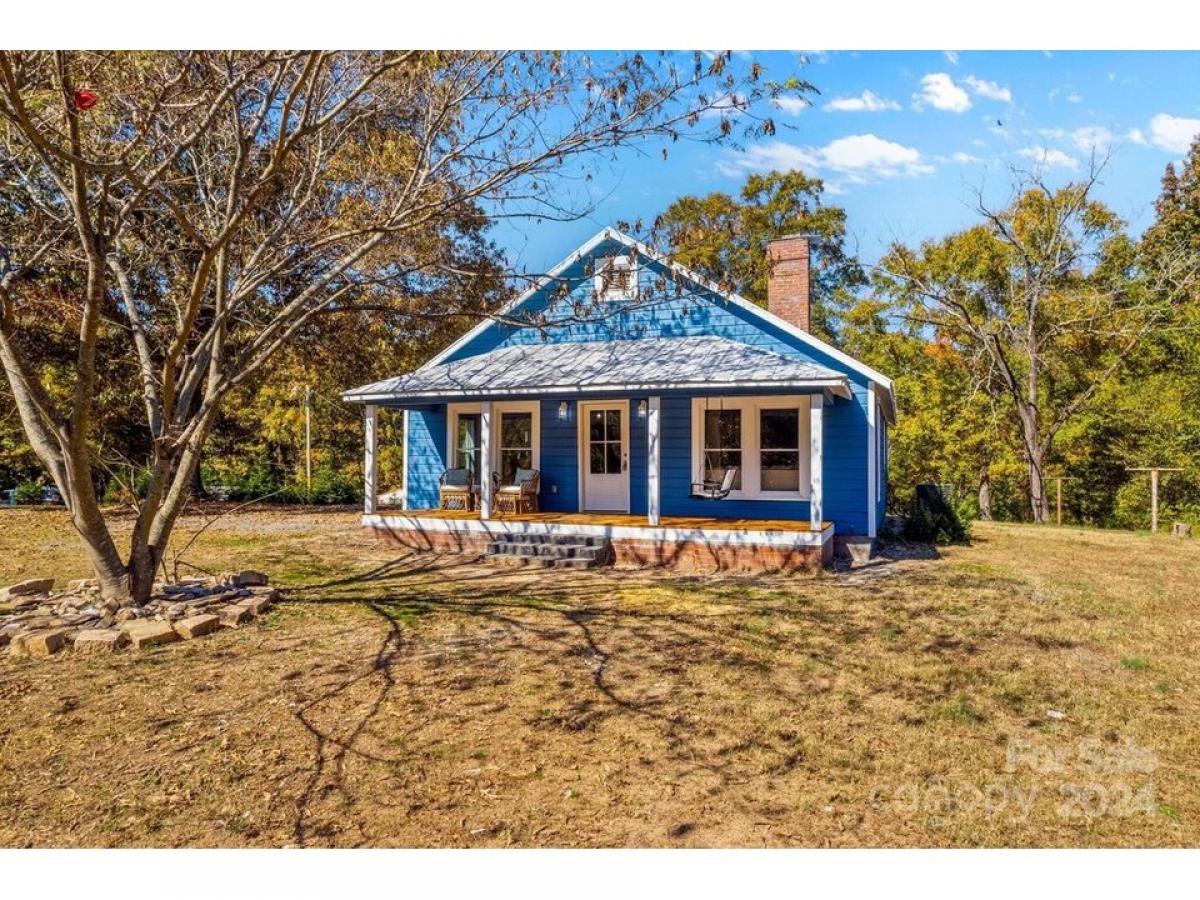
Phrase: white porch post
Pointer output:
(654, 460)
(404, 475)
(485, 459)
(816, 417)
(370, 463)
(872, 460)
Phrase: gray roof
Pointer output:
(594, 367)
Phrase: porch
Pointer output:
(688, 543)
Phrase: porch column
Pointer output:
(816, 453)
(654, 460)
(370, 464)
(485, 459)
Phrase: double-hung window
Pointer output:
(516, 444)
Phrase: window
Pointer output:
(723, 444)
(516, 444)
(779, 443)
(616, 278)
(514, 438)
(467, 444)
(767, 438)
(604, 442)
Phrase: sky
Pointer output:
(905, 140)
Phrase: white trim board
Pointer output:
(739, 301)
(723, 537)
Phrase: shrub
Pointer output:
(330, 486)
(29, 492)
(936, 517)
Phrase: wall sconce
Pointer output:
(642, 407)
(563, 408)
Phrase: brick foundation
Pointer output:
(690, 556)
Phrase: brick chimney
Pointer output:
(788, 294)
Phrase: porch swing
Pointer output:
(706, 488)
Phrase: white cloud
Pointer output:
(1049, 158)
(858, 157)
(988, 89)
(864, 102)
(939, 91)
(1173, 133)
(964, 158)
(791, 105)
(1074, 98)
(952, 56)
(1091, 138)
(1136, 136)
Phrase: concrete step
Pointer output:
(544, 539)
(558, 551)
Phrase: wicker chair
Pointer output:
(521, 496)
(456, 490)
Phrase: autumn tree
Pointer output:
(1046, 298)
(204, 208)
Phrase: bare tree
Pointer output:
(1047, 297)
(208, 206)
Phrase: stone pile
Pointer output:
(37, 620)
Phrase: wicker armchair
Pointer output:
(521, 496)
(456, 490)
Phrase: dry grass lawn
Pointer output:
(1038, 688)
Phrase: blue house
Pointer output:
(626, 408)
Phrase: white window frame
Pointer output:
(750, 408)
(454, 410)
(621, 261)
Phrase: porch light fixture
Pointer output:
(562, 409)
(642, 407)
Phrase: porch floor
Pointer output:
(617, 519)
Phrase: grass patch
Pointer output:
(616, 707)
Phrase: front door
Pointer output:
(605, 462)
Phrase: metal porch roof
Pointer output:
(596, 367)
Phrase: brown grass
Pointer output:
(421, 701)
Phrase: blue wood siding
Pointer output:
(560, 461)
(426, 455)
(697, 312)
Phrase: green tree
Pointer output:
(724, 238)
(1046, 299)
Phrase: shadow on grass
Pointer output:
(649, 659)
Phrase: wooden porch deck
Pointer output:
(620, 520)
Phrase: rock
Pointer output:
(149, 633)
(248, 578)
(83, 584)
(100, 640)
(4, 639)
(126, 614)
(256, 605)
(264, 589)
(197, 626)
(30, 586)
(107, 622)
(235, 615)
(44, 642)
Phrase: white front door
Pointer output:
(604, 444)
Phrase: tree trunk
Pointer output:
(985, 494)
(1037, 489)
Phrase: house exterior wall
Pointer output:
(426, 455)
(695, 313)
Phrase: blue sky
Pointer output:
(904, 139)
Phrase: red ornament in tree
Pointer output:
(85, 99)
